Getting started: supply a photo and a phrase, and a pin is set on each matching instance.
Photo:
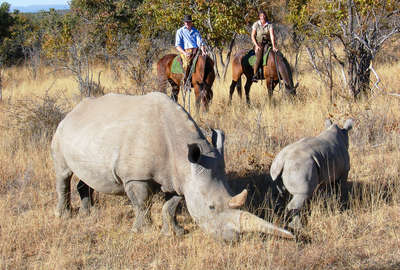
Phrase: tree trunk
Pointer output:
(228, 55)
(358, 70)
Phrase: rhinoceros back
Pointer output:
(109, 140)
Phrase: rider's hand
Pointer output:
(275, 49)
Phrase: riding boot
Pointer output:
(187, 71)
(259, 55)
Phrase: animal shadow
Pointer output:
(263, 198)
(351, 195)
(362, 194)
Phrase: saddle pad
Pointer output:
(176, 66)
(251, 56)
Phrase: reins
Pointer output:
(187, 87)
(277, 71)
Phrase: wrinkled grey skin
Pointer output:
(120, 144)
(303, 165)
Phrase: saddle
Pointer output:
(250, 59)
(177, 65)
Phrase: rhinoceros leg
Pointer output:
(63, 187)
(139, 192)
(343, 178)
(294, 206)
(86, 194)
(169, 218)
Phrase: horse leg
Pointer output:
(247, 86)
(231, 90)
(270, 85)
(207, 96)
(175, 90)
(198, 94)
(239, 87)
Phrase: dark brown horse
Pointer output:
(241, 65)
(202, 78)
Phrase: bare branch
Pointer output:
(344, 77)
(389, 35)
(312, 60)
(378, 80)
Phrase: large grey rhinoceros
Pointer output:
(121, 144)
(301, 166)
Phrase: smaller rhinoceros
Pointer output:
(133, 145)
(303, 165)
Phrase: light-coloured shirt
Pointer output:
(261, 30)
(187, 39)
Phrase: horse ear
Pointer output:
(296, 85)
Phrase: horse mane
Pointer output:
(207, 63)
(287, 65)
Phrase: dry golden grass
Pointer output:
(363, 233)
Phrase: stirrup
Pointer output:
(254, 79)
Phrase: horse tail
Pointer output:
(162, 84)
(162, 78)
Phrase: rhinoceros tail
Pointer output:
(277, 167)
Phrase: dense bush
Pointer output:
(35, 119)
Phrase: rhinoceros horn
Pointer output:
(238, 200)
(252, 223)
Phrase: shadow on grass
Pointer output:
(263, 198)
(358, 195)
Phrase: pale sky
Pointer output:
(23, 3)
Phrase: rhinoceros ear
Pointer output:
(194, 153)
(218, 139)
(349, 124)
(328, 123)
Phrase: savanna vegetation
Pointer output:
(345, 56)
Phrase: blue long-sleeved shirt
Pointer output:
(187, 39)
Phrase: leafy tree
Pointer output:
(6, 20)
(361, 26)
(58, 31)
(108, 19)
(15, 32)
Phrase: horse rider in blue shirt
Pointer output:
(187, 42)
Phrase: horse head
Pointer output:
(291, 89)
(203, 78)
(285, 73)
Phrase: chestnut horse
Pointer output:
(202, 78)
(241, 65)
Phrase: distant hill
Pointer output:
(36, 8)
